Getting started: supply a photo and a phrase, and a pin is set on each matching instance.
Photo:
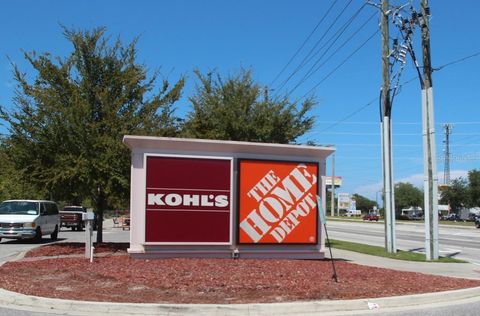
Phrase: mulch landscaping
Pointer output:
(115, 277)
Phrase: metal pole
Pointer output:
(446, 170)
(332, 198)
(430, 163)
(386, 135)
(88, 238)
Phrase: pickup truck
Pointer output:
(71, 217)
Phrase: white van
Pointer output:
(29, 219)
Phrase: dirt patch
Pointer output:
(223, 281)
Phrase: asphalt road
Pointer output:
(10, 248)
(409, 237)
(455, 241)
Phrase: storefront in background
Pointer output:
(205, 198)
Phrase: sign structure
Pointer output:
(338, 181)
(188, 200)
(277, 202)
(343, 201)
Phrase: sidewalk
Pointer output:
(17, 301)
(458, 270)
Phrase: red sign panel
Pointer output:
(188, 200)
(277, 202)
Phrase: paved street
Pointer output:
(10, 248)
(453, 240)
(459, 242)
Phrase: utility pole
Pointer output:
(386, 134)
(429, 148)
(446, 168)
(332, 197)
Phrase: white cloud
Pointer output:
(417, 179)
(370, 190)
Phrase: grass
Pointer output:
(381, 252)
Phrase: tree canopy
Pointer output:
(363, 203)
(474, 187)
(71, 113)
(406, 195)
(236, 108)
(463, 192)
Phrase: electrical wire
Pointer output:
(340, 65)
(302, 63)
(456, 61)
(349, 115)
(336, 36)
(303, 44)
(313, 70)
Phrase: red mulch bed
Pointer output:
(222, 281)
(75, 248)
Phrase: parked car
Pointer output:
(71, 217)
(451, 217)
(471, 217)
(371, 217)
(29, 219)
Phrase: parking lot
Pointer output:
(10, 248)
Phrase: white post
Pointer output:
(88, 218)
(88, 238)
(389, 204)
(430, 186)
(332, 197)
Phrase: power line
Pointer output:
(401, 123)
(403, 145)
(302, 63)
(303, 44)
(313, 70)
(396, 134)
(344, 119)
(340, 65)
(349, 115)
(456, 61)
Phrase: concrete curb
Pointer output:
(58, 306)
(17, 301)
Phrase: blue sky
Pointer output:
(178, 36)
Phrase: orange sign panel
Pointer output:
(277, 202)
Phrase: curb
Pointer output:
(17, 301)
(67, 307)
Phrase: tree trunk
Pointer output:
(100, 207)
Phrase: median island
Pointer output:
(60, 271)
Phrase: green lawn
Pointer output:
(381, 252)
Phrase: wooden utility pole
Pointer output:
(386, 132)
(429, 146)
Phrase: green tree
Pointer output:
(12, 185)
(407, 195)
(363, 203)
(238, 109)
(474, 188)
(456, 194)
(70, 115)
